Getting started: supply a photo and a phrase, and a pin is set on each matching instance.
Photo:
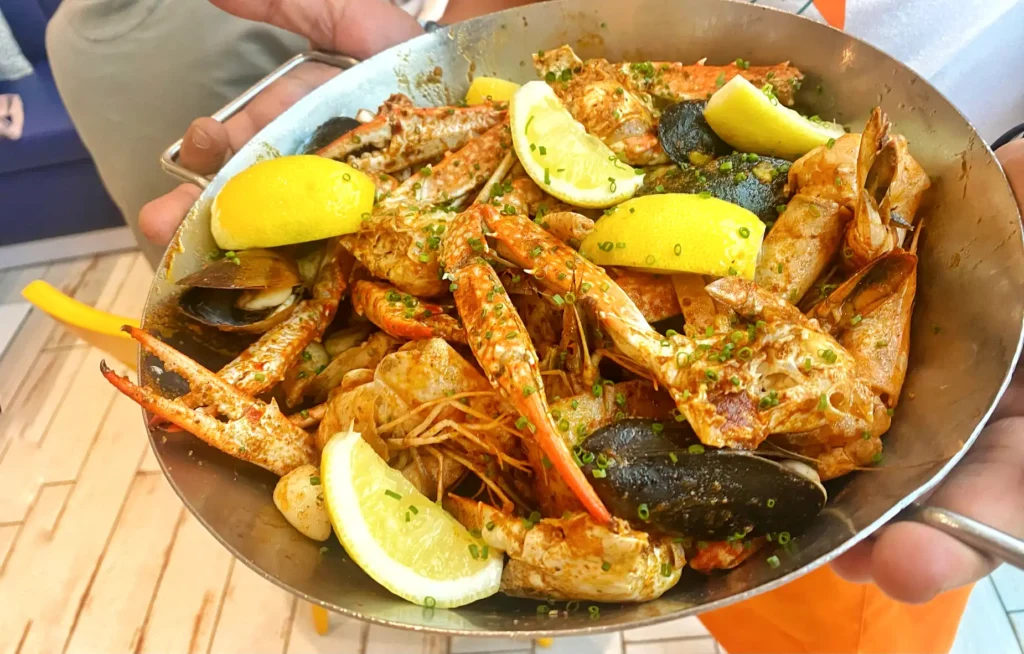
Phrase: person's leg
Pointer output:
(134, 73)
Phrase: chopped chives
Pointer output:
(392, 494)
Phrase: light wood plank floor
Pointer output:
(98, 555)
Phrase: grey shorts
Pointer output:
(134, 73)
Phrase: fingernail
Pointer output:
(201, 139)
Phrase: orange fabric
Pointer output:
(823, 613)
(833, 11)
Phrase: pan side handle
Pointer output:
(996, 544)
(169, 158)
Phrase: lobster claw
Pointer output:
(254, 431)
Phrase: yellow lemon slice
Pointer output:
(561, 157)
(750, 121)
(407, 543)
(289, 200)
(677, 232)
(494, 89)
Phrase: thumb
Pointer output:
(205, 146)
(360, 28)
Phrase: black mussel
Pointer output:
(249, 291)
(229, 311)
(329, 132)
(686, 137)
(755, 183)
(660, 477)
(247, 269)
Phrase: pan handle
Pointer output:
(169, 158)
(997, 545)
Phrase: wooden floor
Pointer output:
(98, 555)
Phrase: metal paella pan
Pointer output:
(967, 324)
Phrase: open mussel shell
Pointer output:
(247, 269)
(758, 184)
(328, 132)
(685, 135)
(218, 308)
(692, 490)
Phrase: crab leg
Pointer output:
(459, 172)
(502, 345)
(264, 363)
(255, 431)
(564, 272)
(870, 315)
(404, 135)
(678, 82)
(605, 102)
(798, 249)
(402, 315)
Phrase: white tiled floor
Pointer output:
(198, 594)
(985, 626)
(1010, 584)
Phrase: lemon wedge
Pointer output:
(484, 89)
(677, 232)
(288, 200)
(561, 157)
(751, 121)
(407, 543)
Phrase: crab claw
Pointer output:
(255, 431)
(501, 344)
